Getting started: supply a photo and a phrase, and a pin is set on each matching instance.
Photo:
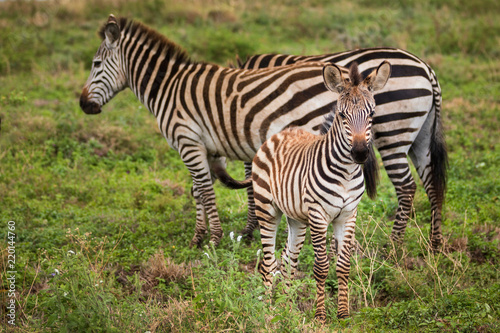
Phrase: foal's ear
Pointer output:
(112, 32)
(332, 76)
(378, 78)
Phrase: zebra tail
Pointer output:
(438, 150)
(371, 174)
(228, 181)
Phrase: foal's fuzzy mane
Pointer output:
(355, 75)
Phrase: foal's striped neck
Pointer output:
(341, 153)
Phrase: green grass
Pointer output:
(103, 200)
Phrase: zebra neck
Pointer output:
(151, 63)
(153, 81)
(337, 152)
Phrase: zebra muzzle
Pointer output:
(359, 151)
(87, 106)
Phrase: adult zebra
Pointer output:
(407, 122)
(317, 180)
(205, 112)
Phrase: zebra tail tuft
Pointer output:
(371, 174)
(228, 181)
(439, 158)
(438, 150)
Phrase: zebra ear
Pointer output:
(378, 78)
(112, 31)
(332, 75)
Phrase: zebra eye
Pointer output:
(97, 63)
(342, 115)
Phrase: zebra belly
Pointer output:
(290, 202)
(335, 208)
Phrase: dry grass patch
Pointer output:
(158, 267)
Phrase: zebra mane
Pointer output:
(128, 25)
(354, 74)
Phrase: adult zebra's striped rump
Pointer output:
(206, 112)
(407, 123)
(317, 180)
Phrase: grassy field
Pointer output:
(102, 209)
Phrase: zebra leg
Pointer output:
(344, 232)
(251, 218)
(290, 255)
(195, 159)
(398, 170)
(333, 248)
(421, 156)
(436, 200)
(319, 226)
(269, 218)
(201, 214)
(201, 225)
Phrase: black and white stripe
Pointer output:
(317, 180)
(407, 122)
(206, 112)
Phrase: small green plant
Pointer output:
(14, 98)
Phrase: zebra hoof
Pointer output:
(342, 315)
(396, 239)
(215, 239)
(196, 241)
(247, 234)
(321, 317)
(437, 245)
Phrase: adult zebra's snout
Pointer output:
(87, 106)
(359, 150)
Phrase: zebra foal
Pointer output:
(316, 180)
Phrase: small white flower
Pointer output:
(231, 235)
(258, 252)
(207, 255)
(71, 252)
(65, 294)
(56, 271)
(259, 298)
(100, 281)
(238, 239)
(96, 285)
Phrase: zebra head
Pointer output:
(356, 104)
(106, 76)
